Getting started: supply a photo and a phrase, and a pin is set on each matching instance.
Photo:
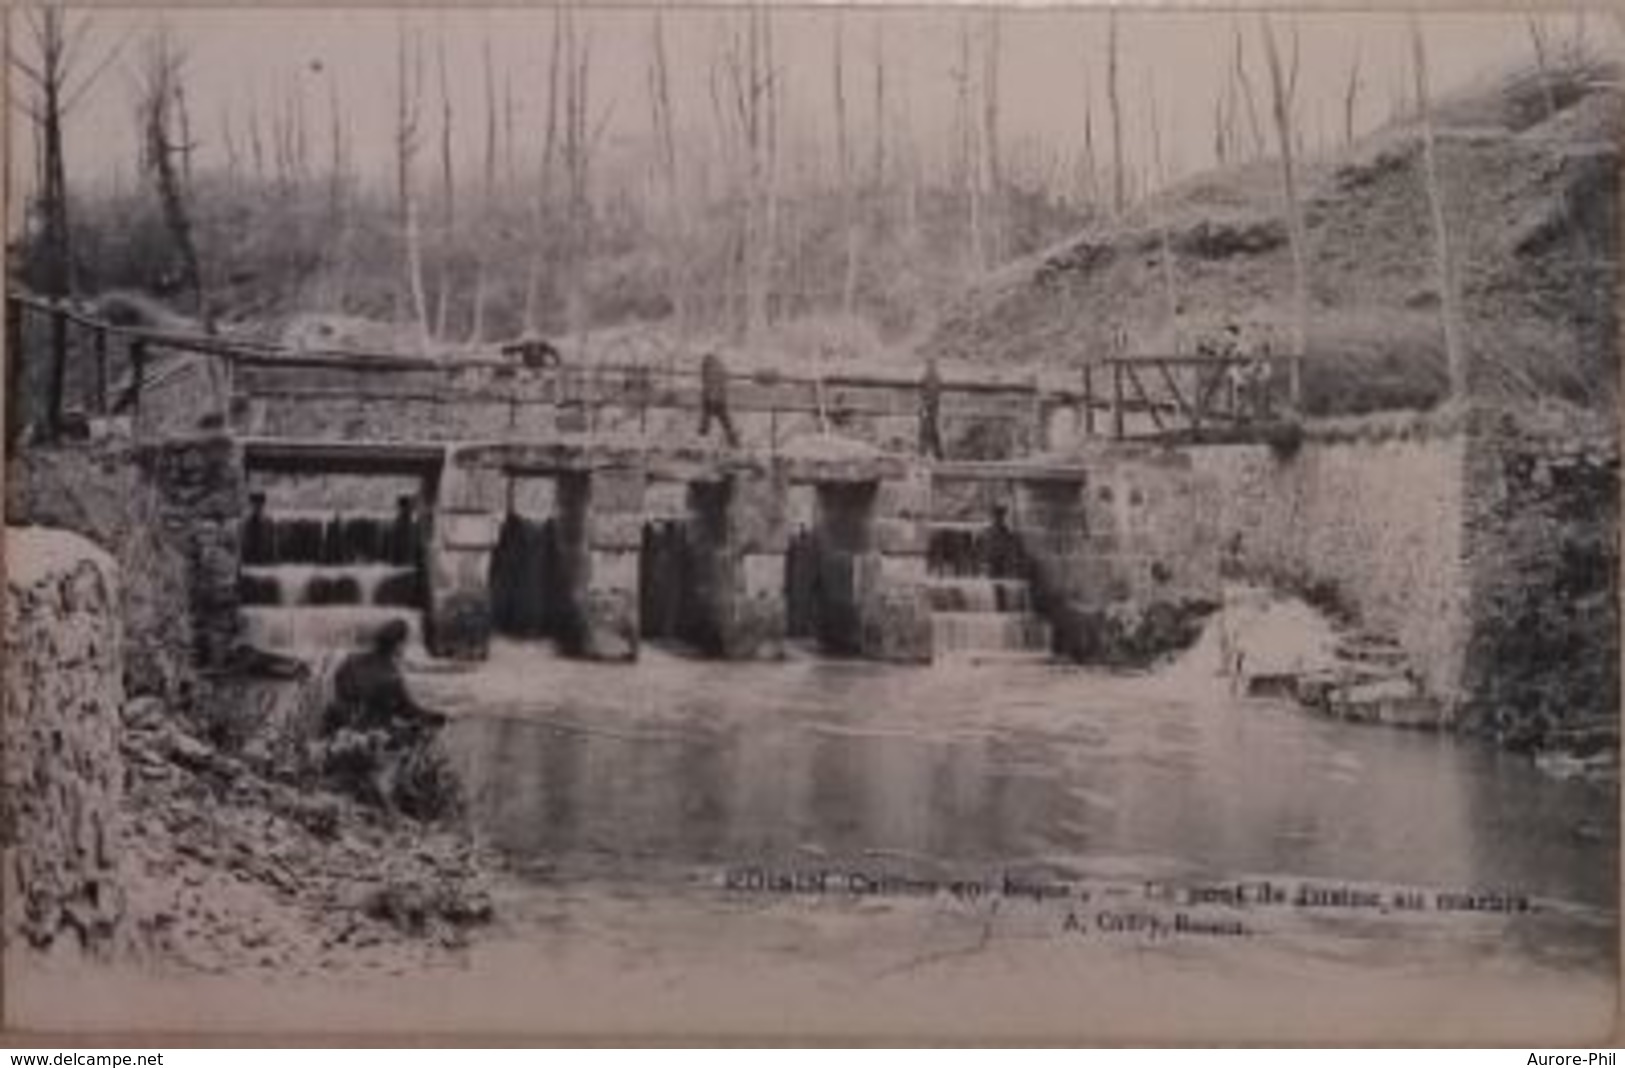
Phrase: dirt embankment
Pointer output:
(1531, 198)
(240, 869)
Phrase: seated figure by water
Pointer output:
(379, 742)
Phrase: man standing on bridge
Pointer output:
(931, 410)
(714, 398)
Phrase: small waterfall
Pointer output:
(981, 603)
(314, 582)
(304, 631)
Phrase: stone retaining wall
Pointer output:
(1487, 547)
(63, 772)
(1367, 525)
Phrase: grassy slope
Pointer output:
(1532, 202)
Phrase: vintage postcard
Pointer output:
(810, 522)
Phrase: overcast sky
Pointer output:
(1053, 60)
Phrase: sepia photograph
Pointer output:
(789, 522)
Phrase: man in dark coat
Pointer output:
(931, 411)
(714, 398)
(378, 737)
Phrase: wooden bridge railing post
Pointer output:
(1088, 400)
(59, 371)
(99, 340)
(1117, 400)
(138, 375)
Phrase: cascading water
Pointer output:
(313, 582)
(981, 605)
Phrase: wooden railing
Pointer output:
(1123, 398)
(1186, 397)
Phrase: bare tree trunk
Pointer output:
(448, 195)
(409, 96)
(544, 187)
(1239, 69)
(1170, 290)
(1119, 174)
(1537, 36)
(338, 216)
(1444, 259)
(1282, 91)
(577, 153)
(228, 141)
(476, 333)
(992, 140)
(160, 104)
(970, 156)
(673, 224)
(879, 170)
(1351, 97)
(1089, 185)
(843, 166)
(256, 143)
(753, 80)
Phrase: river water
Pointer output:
(677, 775)
(666, 825)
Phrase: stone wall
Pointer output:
(63, 773)
(1364, 518)
(98, 491)
(1124, 564)
(203, 498)
(1485, 547)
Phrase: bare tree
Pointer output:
(878, 174)
(664, 124)
(1244, 84)
(1539, 37)
(546, 168)
(992, 140)
(228, 141)
(1351, 97)
(256, 143)
(1089, 164)
(752, 82)
(448, 193)
(476, 331)
(54, 85)
(580, 137)
(408, 118)
(843, 169)
(1283, 90)
(1114, 102)
(1169, 286)
(1443, 254)
(163, 68)
(968, 161)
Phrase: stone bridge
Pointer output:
(825, 481)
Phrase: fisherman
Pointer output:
(714, 398)
(379, 738)
(931, 410)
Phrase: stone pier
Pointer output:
(604, 570)
(462, 536)
(751, 625)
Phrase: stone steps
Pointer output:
(1370, 681)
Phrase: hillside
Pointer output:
(1532, 203)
